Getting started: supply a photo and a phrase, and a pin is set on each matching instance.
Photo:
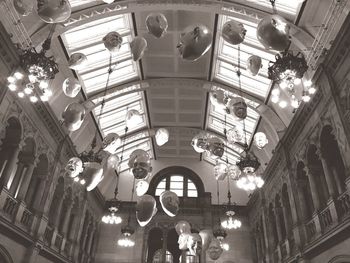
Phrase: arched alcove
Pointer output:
(287, 209)
(37, 183)
(279, 214)
(315, 170)
(272, 225)
(56, 199)
(304, 192)
(5, 256)
(332, 158)
(154, 243)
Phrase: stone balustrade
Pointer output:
(311, 230)
(8, 205)
(326, 220)
(27, 218)
(343, 205)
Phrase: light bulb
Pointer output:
(283, 85)
(274, 99)
(306, 98)
(43, 85)
(308, 83)
(32, 78)
(44, 98)
(33, 99)
(76, 179)
(11, 79)
(312, 90)
(275, 92)
(297, 81)
(295, 104)
(27, 90)
(282, 104)
(20, 94)
(18, 75)
(12, 87)
(82, 182)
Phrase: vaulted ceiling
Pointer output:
(167, 90)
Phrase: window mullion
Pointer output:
(185, 188)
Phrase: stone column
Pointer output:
(23, 187)
(15, 179)
(287, 220)
(91, 238)
(257, 244)
(58, 213)
(165, 239)
(330, 176)
(278, 224)
(338, 181)
(314, 191)
(39, 193)
(10, 166)
(66, 219)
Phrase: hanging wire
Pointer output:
(240, 91)
(228, 191)
(273, 4)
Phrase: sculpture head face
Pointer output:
(233, 32)
(182, 241)
(141, 187)
(199, 142)
(23, 7)
(93, 175)
(207, 236)
(216, 147)
(77, 61)
(73, 116)
(214, 249)
(156, 24)
(74, 167)
(138, 46)
(111, 143)
(145, 209)
(273, 32)
(170, 203)
(140, 164)
(254, 64)
(54, 11)
(238, 108)
(195, 41)
(194, 244)
(113, 41)
(71, 87)
(183, 227)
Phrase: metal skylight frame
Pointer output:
(87, 39)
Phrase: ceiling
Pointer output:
(167, 90)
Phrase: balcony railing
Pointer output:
(311, 230)
(343, 205)
(10, 205)
(48, 235)
(326, 220)
(27, 218)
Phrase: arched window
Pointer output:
(181, 180)
(178, 184)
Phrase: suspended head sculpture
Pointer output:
(207, 236)
(71, 87)
(183, 227)
(273, 32)
(73, 116)
(77, 61)
(74, 167)
(254, 65)
(145, 209)
(194, 244)
(113, 41)
(54, 11)
(140, 163)
(162, 136)
(156, 24)
(92, 174)
(199, 142)
(170, 203)
(214, 249)
(138, 46)
(23, 7)
(110, 162)
(233, 32)
(141, 187)
(182, 240)
(216, 147)
(219, 99)
(237, 108)
(195, 41)
(111, 143)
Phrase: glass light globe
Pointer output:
(126, 242)
(33, 99)
(12, 87)
(275, 92)
(274, 99)
(11, 79)
(308, 83)
(112, 219)
(312, 90)
(306, 98)
(282, 104)
(225, 246)
(20, 94)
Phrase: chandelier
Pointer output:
(229, 222)
(112, 207)
(248, 164)
(31, 80)
(288, 71)
(127, 231)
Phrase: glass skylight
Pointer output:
(87, 39)
(112, 119)
(227, 61)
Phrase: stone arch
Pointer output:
(181, 170)
(37, 183)
(10, 145)
(332, 159)
(5, 256)
(280, 218)
(156, 235)
(26, 161)
(304, 192)
(65, 209)
(317, 176)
